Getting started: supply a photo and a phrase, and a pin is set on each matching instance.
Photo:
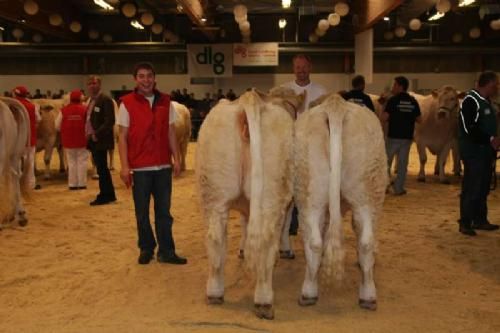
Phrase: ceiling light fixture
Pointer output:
(464, 3)
(2, 28)
(137, 25)
(436, 16)
(386, 18)
(286, 3)
(203, 19)
(282, 23)
(103, 4)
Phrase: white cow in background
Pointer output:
(47, 136)
(14, 137)
(438, 129)
(340, 163)
(244, 162)
(182, 130)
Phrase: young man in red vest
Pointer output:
(71, 122)
(148, 154)
(21, 93)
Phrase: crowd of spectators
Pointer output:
(38, 94)
(199, 108)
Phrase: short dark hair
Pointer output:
(143, 65)
(302, 56)
(486, 77)
(358, 81)
(402, 81)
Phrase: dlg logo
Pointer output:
(207, 58)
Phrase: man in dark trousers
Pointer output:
(99, 130)
(357, 95)
(149, 155)
(478, 143)
(402, 111)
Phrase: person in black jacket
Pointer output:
(402, 111)
(357, 95)
(478, 142)
(99, 130)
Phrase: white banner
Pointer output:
(255, 54)
(210, 60)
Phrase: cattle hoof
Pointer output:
(421, 179)
(307, 301)
(368, 304)
(264, 311)
(287, 254)
(241, 254)
(23, 222)
(212, 300)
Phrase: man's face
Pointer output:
(93, 87)
(301, 69)
(492, 88)
(145, 81)
(396, 88)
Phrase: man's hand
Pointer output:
(94, 138)
(126, 176)
(176, 168)
(495, 142)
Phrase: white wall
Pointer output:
(239, 83)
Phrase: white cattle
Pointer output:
(244, 162)
(47, 136)
(14, 137)
(182, 130)
(339, 157)
(438, 129)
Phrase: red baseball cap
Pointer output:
(21, 91)
(76, 96)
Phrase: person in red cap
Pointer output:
(71, 122)
(21, 94)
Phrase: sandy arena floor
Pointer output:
(74, 269)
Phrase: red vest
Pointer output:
(30, 107)
(73, 126)
(148, 143)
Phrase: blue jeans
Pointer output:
(401, 148)
(157, 183)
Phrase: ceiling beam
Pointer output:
(196, 10)
(371, 11)
(13, 11)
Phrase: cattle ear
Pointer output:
(461, 94)
(434, 93)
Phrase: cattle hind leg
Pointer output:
(313, 246)
(216, 248)
(363, 219)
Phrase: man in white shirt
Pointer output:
(302, 66)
